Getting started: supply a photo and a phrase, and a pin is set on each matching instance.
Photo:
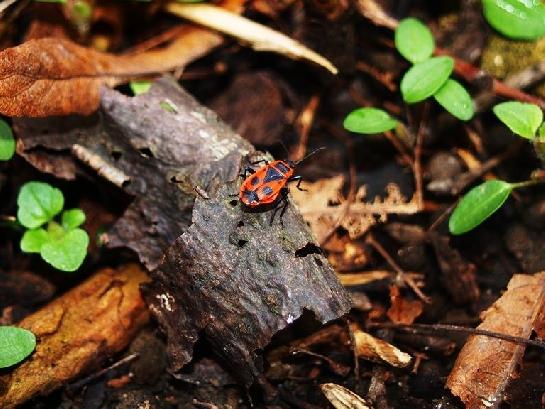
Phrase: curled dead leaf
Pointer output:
(485, 365)
(260, 37)
(54, 76)
(403, 310)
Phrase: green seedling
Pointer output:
(522, 118)
(15, 345)
(7, 142)
(483, 200)
(414, 40)
(369, 121)
(62, 244)
(429, 76)
(516, 19)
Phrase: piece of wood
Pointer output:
(228, 274)
(77, 332)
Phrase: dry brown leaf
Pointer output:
(402, 310)
(342, 398)
(77, 331)
(374, 349)
(54, 76)
(485, 365)
(260, 37)
(323, 207)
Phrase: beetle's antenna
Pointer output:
(284, 147)
(310, 154)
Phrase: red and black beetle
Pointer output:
(264, 185)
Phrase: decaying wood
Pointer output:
(485, 365)
(228, 274)
(77, 332)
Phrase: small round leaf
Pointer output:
(15, 345)
(522, 118)
(414, 40)
(7, 143)
(72, 218)
(67, 252)
(369, 121)
(38, 203)
(455, 99)
(33, 240)
(425, 78)
(478, 204)
(517, 19)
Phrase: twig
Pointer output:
(352, 186)
(418, 195)
(78, 385)
(468, 177)
(404, 277)
(385, 79)
(303, 125)
(416, 328)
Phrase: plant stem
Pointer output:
(527, 183)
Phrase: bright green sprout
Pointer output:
(63, 245)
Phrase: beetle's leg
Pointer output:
(282, 203)
(257, 162)
(247, 170)
(299, 179)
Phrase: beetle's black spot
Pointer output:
(281, 166)
(267, 190)
(251, 196)
(254, 181)
(272, 174)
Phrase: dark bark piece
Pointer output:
(231, 276)
(237, 280)
(155, 155)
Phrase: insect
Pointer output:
(266, 184)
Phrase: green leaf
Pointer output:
(455, 99)
(425, 78)
(414, 40)
(15, 345)
(7, 143)
(522, 118)
(33, 240)
(140, 87)
(478, 204)
(72, 218)
(67, 252)
(369, 121)
(517, 19)
(38, 203)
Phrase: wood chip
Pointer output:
(342, 398)
(77, 332)
(374, 349)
